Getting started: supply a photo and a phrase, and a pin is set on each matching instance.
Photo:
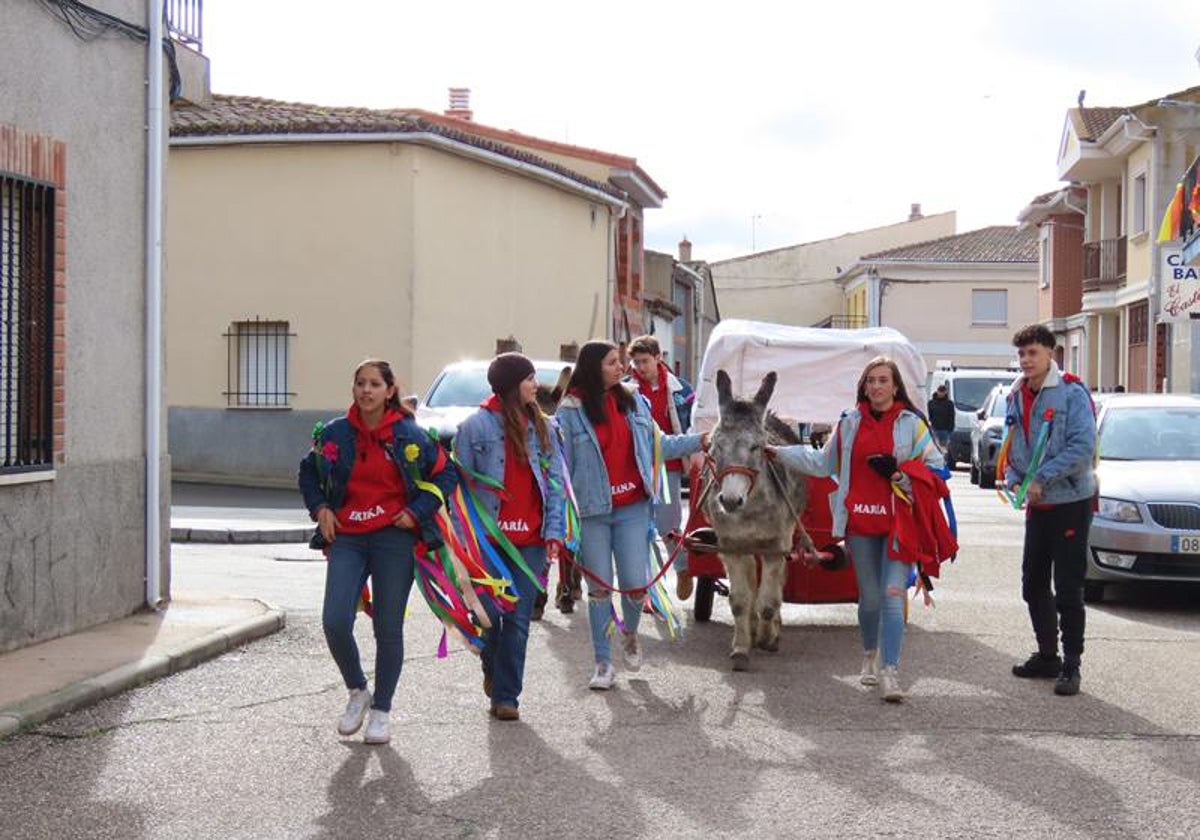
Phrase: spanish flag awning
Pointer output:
(1184, 208)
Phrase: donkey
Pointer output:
(754, 507)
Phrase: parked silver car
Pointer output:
(459, 389)
(1148, 523)
(987, 434)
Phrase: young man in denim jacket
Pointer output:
(1059, 490)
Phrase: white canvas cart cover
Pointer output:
(818, 368)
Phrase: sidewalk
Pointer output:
(210, 513)
(52, 678)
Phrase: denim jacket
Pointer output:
(479, 447)
(589, 476)
(1067, 471)
(430, 459)
(911, 441)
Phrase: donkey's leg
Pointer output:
(769, 603)
(741, 602)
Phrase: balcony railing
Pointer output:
(1104, 264)
(842, 322)
(185, 22)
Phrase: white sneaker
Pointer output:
(870, 668)
(378, 729)
(889, 680)
(356, 711)
(602, 680)
(631, 651)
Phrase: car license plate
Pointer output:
(1185, 545)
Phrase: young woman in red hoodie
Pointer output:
(509, 442)
(360, 484)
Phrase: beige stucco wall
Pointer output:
(934, 310)
(796, 285)
(1140, 248)
(499, 254)
(318, 235)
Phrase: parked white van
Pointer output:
(968, 388)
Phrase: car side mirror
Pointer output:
(981, 414)
(411, 401)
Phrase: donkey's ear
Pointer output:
(724, 388)
(765, 390)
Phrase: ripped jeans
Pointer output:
(880, 612)
(620, 538)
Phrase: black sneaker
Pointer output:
(1067, 684)
(1038, 667)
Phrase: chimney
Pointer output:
(460, 104)
(685, 249)
(915, 213)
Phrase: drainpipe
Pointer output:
(155, 136)
(610, 330)
(697, 319)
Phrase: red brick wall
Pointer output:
(42, 158)
(1066, 265)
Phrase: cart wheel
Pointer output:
(706, 587)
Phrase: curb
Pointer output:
(37, 710)
(230, 535)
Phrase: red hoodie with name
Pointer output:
(520, 515)
(616, 446)
(869, 498)
(375, 493)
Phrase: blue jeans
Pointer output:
(386, 556)
(503, 654)
(880, 612)
(668, 517)
(623, 534)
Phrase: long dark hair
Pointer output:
(514, 427)
(389, 379)
(588, 380)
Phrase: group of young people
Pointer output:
(374, 481)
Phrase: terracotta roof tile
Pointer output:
(997, 244)
(1096, 121)
(248, 115)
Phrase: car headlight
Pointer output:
(1118, 510)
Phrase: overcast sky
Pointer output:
(767, 121)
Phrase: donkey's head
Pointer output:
(737, 443)
(549, 398)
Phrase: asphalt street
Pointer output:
(244, 745)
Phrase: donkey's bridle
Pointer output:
(718, 475)
(710, 466)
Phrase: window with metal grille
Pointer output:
(258, 364)
(26, 325)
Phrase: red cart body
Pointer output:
(804, 585)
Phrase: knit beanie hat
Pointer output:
(507, 371)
